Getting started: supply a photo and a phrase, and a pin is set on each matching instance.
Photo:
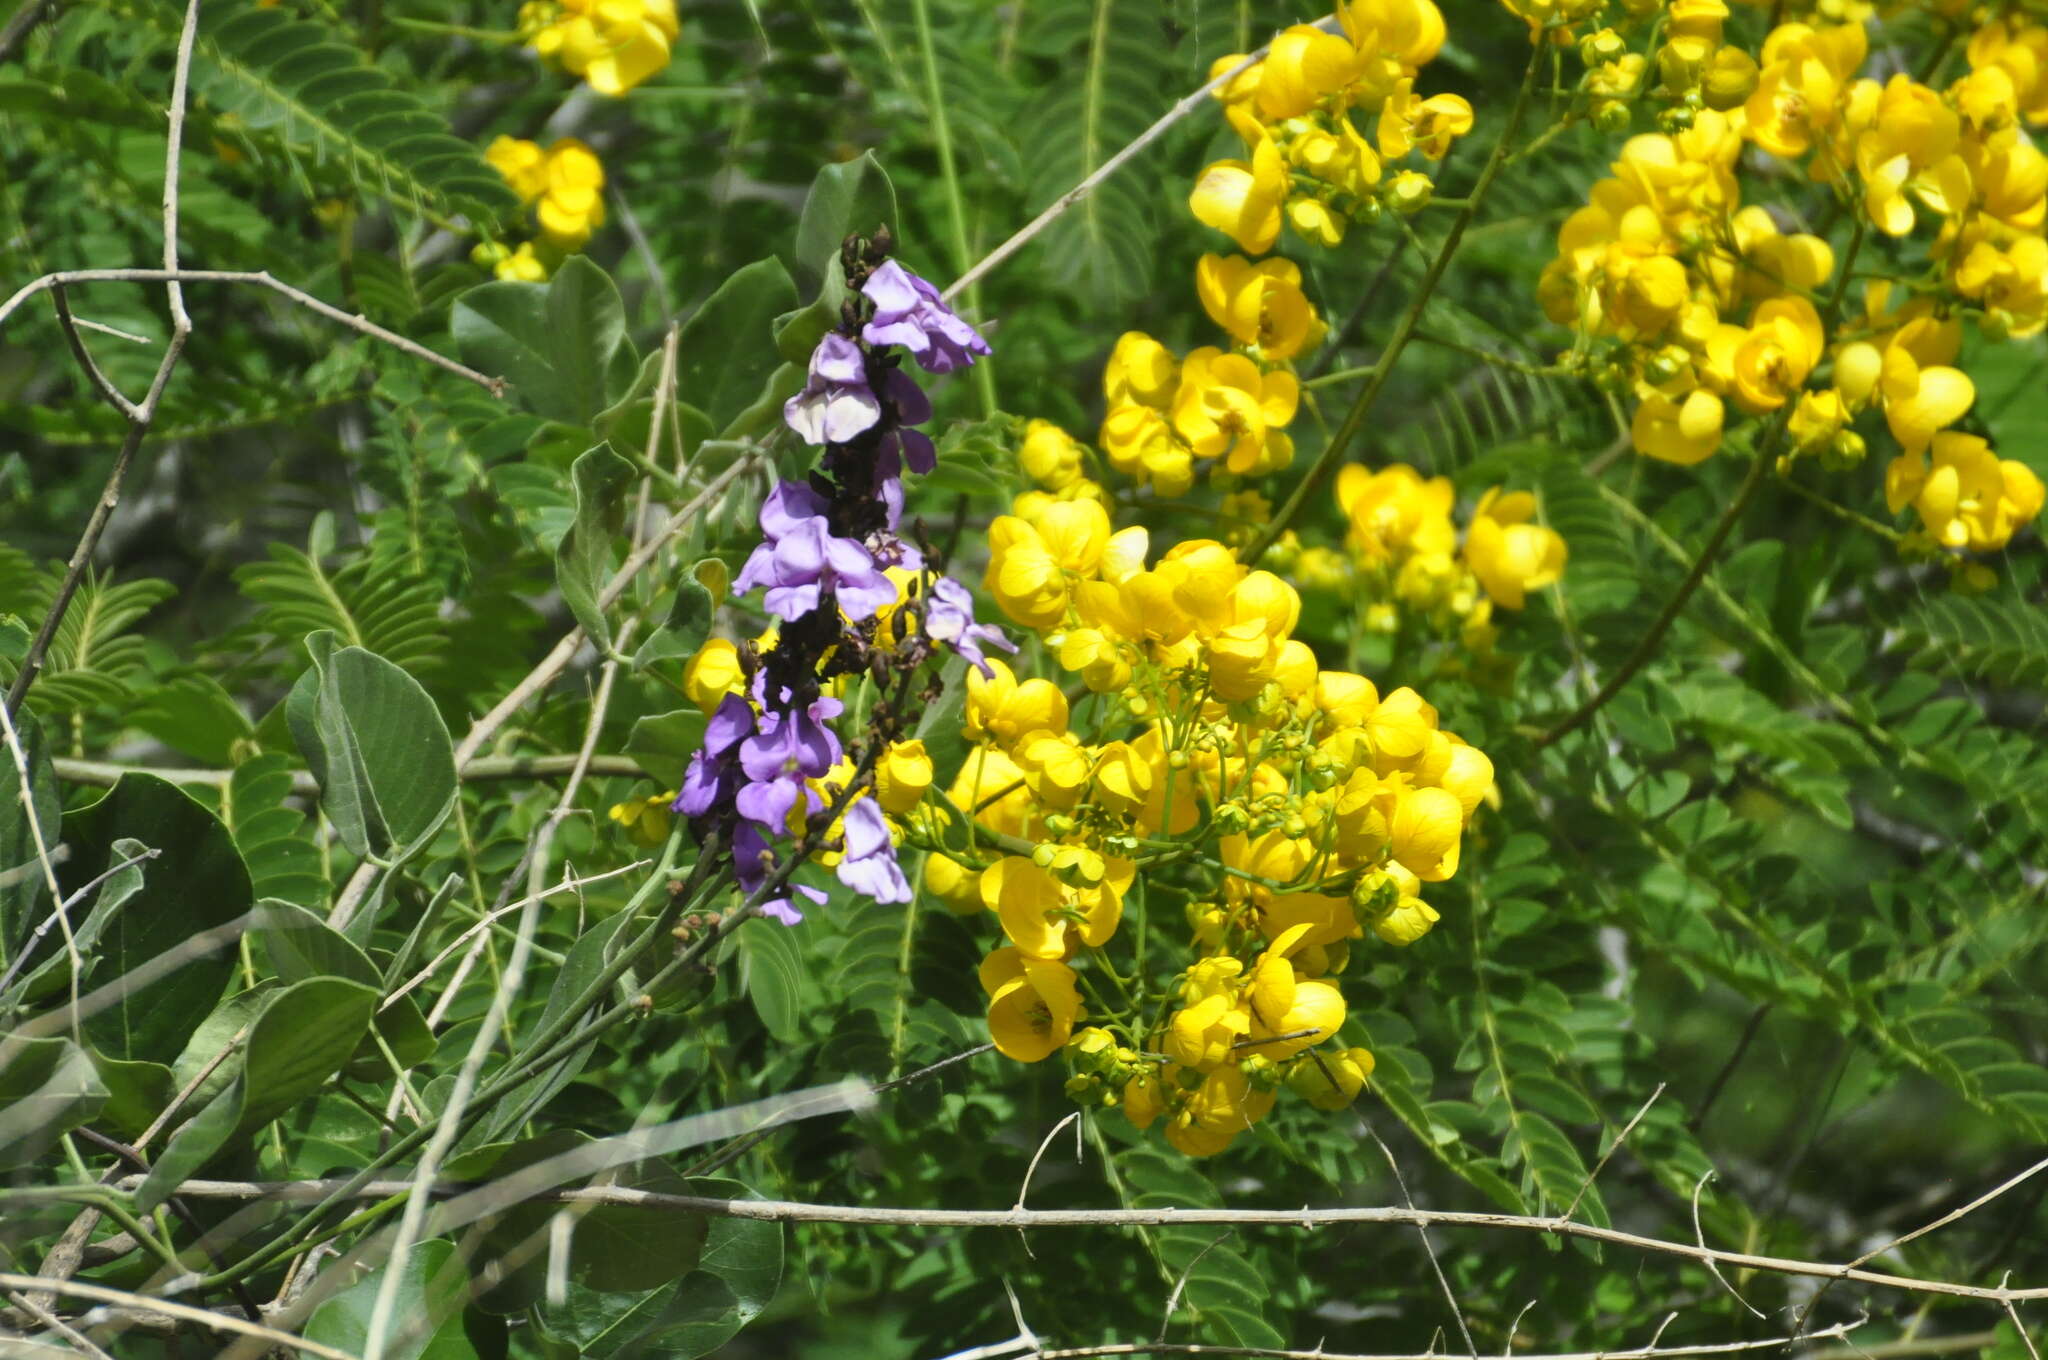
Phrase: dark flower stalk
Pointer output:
(829, 544)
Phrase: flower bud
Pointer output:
(1730, 79)
(1409, 192)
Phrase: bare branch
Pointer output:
(792, 1211)
(255, 279)
(220, 1322)
(1613, 1148)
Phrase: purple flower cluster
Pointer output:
(822, 562)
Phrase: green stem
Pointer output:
(498, 36)
(1376, 378)
(1646, 647)
(956, 212)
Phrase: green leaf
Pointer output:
(303, 1037)
(724, 352)
(556, 342)
(300, 945)
(274, 836)
(845, 198)
(738, 1268)
(195, 717)
(583, 559)
(196, 884)
(664, 743)
(136, 1092)
(46, 1087)
(699, 593)
(377, 745)
(22, 885)
(274, 69)
(426, 1323)
(772, 968)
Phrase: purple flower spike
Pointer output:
(836, 403)
(868, 865)
(909, 312)
(801, 558)
(714, 774)
(949, 618)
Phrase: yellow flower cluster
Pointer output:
(1307, 162)
(1693, 301)
(564, 184)
(612, 44)
(1405, 557)
(1307, 807)
(1168, 414)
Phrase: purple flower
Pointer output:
(949, 618)
(791, 740)
(909, 312)
(753, 861)
(801, 559)
(714, 774)
(836, 403)
(868, 865)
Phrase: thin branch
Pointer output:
(100, 381)
(1647, 645)
(1109, 167)
(106, 773)
(1651, 1352)
(791, 1211)
(1428, 1248)
(140, 414)
(1699, 1235)
(260, 278)
(220, 1322)
(57, 1325)
(1613, 1148)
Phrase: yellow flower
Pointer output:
(522, 163)
(1805, 75)
(1056, 767)
(1969, 498)
(1140, 370)
(646, 820)
(713, 673)
(902, 775)
(1302, 67)
(1331, 1081)
(1683, 432)
(1424, 832)
(1261, 305)
(2018, 47)
(612, 44)
(1408, 123)
(953, 883)
(1782, 345)
(1409, 31)
(2011, 282)
(1394, 511)
(1140, 444)
(572, 206)
(1227, 409)
(1002, 709)
(1510, 555)
(1144, 1098)
(1049, 456)
(1400, 726)
(1920, 401)
(1131, 780)
(1911, 131)
(1204, 1034)
(1224, 1105)
(1032, 1004)
(1242, 199)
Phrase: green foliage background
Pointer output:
(1791, 878)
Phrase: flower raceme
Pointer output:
(1308, 164)
(851, 598)
(1718, 323)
